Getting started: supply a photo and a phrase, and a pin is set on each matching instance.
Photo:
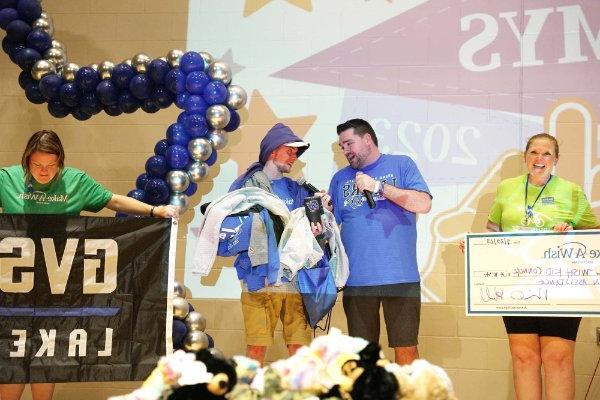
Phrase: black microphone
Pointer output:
(369, 195)
(311, 189)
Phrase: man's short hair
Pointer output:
(360, 126)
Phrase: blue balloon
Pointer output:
(33, 94)
(195, 104)
(141, 86)
(17, 30)
(215, 92)
(158, 70)
(156, 167)
(179, 333)
(127, 102)
(50, 86)
(7, 45)
(177, 156)
(175, 81)
(80, 115)
(234, 121)
(182, 118)
(181, 99)
(14, 50)
(191, 189)
(58, 109)
(7, 15)
(161, 147)
(137, 194)
(191, 62)
(26, 58)
(213, 157)
(176, 135)
(8, 4)
(141, 181)
(39, 40)
(29, 10)
(25, 79)
(69, 94)
(157, 191)
(196, 81)
(87, 79)
(121, 75)
(161, 96)
(150, 106)
(113, 110)
(195, 126)
(107, 93)
(89, 104)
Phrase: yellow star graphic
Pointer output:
(257, 119)
(251, 6)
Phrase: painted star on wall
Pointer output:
(244, 148)
(252, 6)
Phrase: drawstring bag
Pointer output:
(317, 287)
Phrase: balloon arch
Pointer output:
(194, 81)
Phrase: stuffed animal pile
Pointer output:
(333, 366)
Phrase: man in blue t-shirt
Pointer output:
(380, 241)
(279, 149)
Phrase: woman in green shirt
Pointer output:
(43, 185)
(541, 201)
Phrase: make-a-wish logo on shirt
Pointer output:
(41, 197)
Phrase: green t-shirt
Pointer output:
(70, 193)
(561, 201)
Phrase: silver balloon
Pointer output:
(178, 181)
(173, 57)
(127, 61)
(195, 321)
(208, 59)
(105, 69)
(179, 290)
(58, 45)
(197, 170)
(68, 71)
(218, 138)
(163, 59)
(44, 24)
(195, 340)
(56, 56)
(218, 116)
(237, 97)
(140, 62)
(200, 149)
(94, 67)
(216, 353)
(44, 14)
(181, 307)
(180, 200)
(41, 68)
(220, 71)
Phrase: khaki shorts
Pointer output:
(262, 310)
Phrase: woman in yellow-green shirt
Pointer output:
(541, 201)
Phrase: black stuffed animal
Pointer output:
(374, 383)
(224, 379)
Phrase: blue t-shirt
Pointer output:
(381, 242)
(281, 189)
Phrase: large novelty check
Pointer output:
(533, 273)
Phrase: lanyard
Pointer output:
(529, 208)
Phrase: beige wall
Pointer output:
(474, 351)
